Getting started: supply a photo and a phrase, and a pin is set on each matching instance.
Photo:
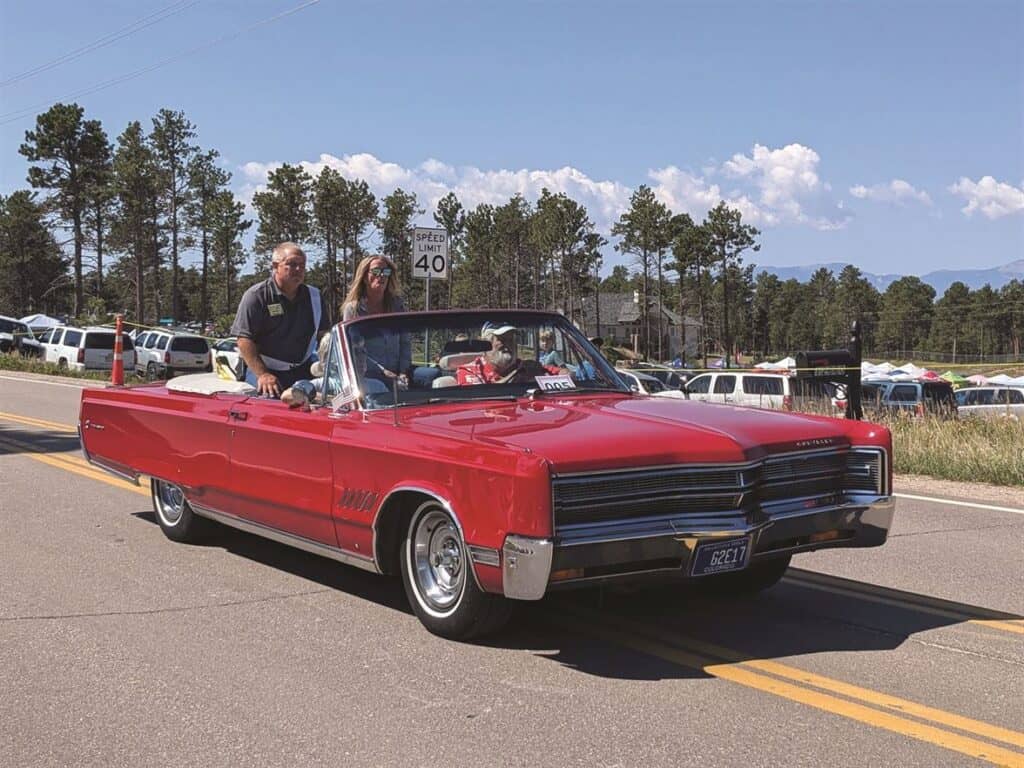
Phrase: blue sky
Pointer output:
(889, 135)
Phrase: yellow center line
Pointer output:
(34, 422)
(740, 673)
(1006, 625)
(63, 462)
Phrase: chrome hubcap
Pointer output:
(171, 502)
(438, 560)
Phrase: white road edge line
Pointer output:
(44, 381)
(959, 503)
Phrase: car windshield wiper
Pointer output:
(537, 392)
(470, 399)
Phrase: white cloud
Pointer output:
(773, 187)
(433, 179)
(993, 199)
(896, 191)
(788, 186)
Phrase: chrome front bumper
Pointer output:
(624, 550)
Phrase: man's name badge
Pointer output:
(275, 310)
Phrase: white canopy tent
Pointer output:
(41, 321)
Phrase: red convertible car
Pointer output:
(509, 462)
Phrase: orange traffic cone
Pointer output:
(117, 370)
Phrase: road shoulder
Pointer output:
(923, 485)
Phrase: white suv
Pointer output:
(85, 349)
(161, 354)
(762, 390)
(991, 401)
(767, 390)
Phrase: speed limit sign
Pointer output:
(430, 253)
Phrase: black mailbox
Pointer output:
(839, 366)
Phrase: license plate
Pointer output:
(721, 556)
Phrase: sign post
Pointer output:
(429, 262)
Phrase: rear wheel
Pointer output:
(174, 515)
(150, 371)
(438, 579)
(62, 364)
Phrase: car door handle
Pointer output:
(238, 415)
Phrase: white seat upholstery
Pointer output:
(209, 384)
(445, 381)
(451, 362)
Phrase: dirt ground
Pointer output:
(1003, 495)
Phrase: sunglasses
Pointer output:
(380, 271)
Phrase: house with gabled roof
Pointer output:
(619, 322)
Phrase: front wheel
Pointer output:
(438, 579)
(174, 515)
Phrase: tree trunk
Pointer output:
(76, 218)
(204, 300)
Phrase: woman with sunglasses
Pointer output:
(376, 290)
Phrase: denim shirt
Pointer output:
(391, 350)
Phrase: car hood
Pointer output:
(609, 432)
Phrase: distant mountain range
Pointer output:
(940, 280)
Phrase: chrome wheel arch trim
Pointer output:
(445, 505)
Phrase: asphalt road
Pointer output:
(121, 648)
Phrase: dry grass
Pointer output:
(970, 449)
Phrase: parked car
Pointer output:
(16, 336)
(916, 398)
(670, 377)
(162, 354)
(761, 390)
(483, 493)
(647, 384)
(85, 349)
(991, 401)
(228, 350)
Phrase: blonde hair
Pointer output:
(357, 291)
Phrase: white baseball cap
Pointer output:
(491, 329)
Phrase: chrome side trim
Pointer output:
(526, 567)
(314, 547)
(444, 504)
(484, 555)
(132, 477)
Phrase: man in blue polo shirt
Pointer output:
(278, 323)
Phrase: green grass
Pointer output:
(9, 362)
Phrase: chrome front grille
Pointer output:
(692, 492)
(800, 475)
(600, 497)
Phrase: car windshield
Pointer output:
(427, 357)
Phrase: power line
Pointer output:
(11, 117)
(102, 42)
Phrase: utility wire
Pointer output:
(11, 117)
(146, 21)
